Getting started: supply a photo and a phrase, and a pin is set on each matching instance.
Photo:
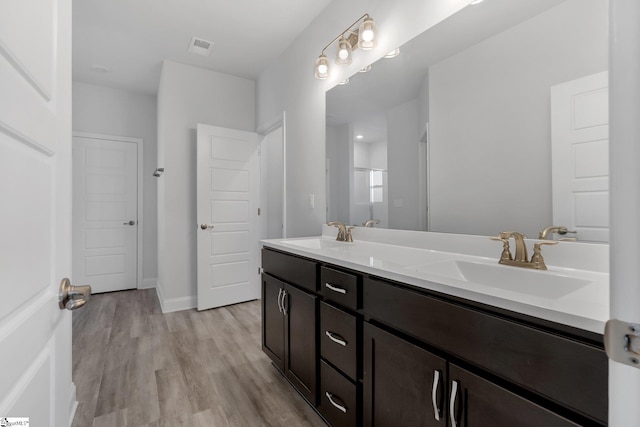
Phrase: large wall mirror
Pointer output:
(462, 132)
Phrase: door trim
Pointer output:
(140, 197)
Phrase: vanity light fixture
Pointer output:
(359, 136)
(364, 37)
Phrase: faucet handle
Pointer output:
(506, 252)
(341, 230)
(348, 237)
(536, 258)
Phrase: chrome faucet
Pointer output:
(562, 230)
(344, 232)
(520, 259)
(370, 223)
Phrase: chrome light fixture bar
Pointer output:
(364, 37)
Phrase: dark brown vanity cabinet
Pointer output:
(289, 331)
(403, 385)
(367, 351)
(476, 402)
(554, 370)
(340, 347)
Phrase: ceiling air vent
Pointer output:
(200, 46)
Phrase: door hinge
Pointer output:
(622, 342)
(258, 211)
(259, 271)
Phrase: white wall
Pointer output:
(473, 190)
(103, 110)
(272, 173)
(187, 96)
(288, 85)
(403, 139)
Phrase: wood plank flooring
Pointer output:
(134, 366)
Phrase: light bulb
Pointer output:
(343, 56)
(367, 34)
(322, 67)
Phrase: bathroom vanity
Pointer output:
(393, 335)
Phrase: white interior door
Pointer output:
(105, 213)
(228, 191)
(35, 211)
(580, 156)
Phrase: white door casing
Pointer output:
(35, 211)
(580, 156)
(228, 198)
(105, 201)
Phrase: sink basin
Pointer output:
(316, 243)
(546, 284)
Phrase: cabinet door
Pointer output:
(403, 384)
(273, 320)
(476, 402)
(301, 317)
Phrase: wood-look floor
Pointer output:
(134, 366)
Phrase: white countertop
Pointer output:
(570, 296)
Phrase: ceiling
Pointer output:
(122, 43)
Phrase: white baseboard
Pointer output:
(73, 404)
(148, 283)
(169, 305)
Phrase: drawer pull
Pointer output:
(452, 403)
(336, 338)
(340, 407)
(335, 288)
(434, 394)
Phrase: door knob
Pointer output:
(132, 222)
(72, 297)
(206, 226)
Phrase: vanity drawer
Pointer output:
(563, 370)
(339, 287)
(338, 339)
(338, 398)
(291, 269)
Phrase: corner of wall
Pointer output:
(148, 283)
(174, 304)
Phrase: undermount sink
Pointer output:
(537, 283)
(316, 243)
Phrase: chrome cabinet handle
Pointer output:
(206, 226)
(338, 406)
(279, 296)
(284, 305)
(452, 403)
(132, 222)
(434, 394)
(336, 338)
(335, 289)
(72, 297)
